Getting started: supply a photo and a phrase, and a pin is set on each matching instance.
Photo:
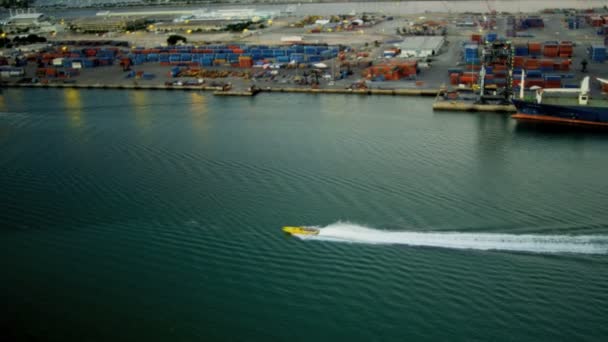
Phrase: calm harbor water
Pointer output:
(156, 216)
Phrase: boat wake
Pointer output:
(534, 243)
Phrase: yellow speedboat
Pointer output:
(300, 230)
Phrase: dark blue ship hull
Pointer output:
(577, 114)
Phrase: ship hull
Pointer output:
(582, 115)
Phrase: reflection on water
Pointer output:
(199, 107)
(73, 104)
(332, 105)
(560, 131)
(140, 107)
(493, 134)
(199, 104)
(2, 103)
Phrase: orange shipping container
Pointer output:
(531, 64)
(546, 62)
(534, 47)
(551, 51)
(468, 79)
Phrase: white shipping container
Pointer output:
(57, 61)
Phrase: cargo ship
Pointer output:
(563, 105)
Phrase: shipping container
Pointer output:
(534, 49)
(491, 37)
(597, 53)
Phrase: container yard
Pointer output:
(473, 57)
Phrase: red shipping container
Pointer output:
(546, 63)
(530, 82)
(454, 79)
(500, 67)
(565, 50)
(534, 48)
(596, 21)
(90, 52)
(551, 50)
(468, 80)
(532, 64)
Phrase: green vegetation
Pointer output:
(5, 43)
(238, 27)
(15, 3)
(174, 39)
(29, 39)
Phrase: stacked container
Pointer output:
(471, 54)
(553, 81)
(597, 53)
(573, 23)
(532, 22)
(565, 49)
(596, 21)
(534, 49)
(245, 61)
(521, 50)
(490, 37)
(469, 78)
(551, 49)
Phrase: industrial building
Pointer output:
(99, 24)
(191, 26)
(421, 46)
(28, 22)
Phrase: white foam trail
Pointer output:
(582, 244)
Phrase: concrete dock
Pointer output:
(109, 86)
(218, 90)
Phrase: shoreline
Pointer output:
(218, 90)
(438, 105)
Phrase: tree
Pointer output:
(30, 39)
(5, 42)
(15, 3)
(173, 39)
(238, 27)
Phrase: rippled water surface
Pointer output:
(157, 216)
